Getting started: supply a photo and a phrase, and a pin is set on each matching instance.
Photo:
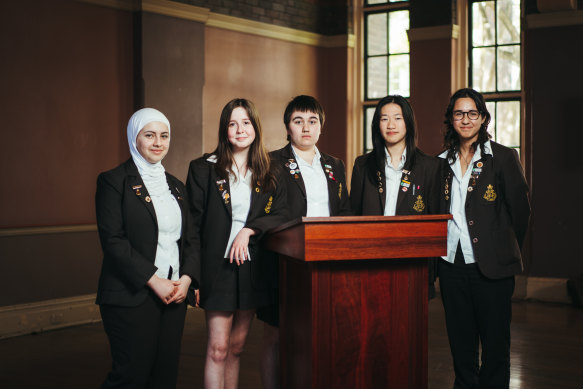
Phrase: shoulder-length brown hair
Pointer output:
(258, 158)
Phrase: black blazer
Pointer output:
(368, 187)
(296, 190)
(210, 205)
(128, 231)
(497, 211)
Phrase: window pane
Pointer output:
(491, 106)
(398, 26)
(508, 118)
(483, 27)
(376, 34)
(509, 68)
(376, 77)
(376, 2)
(399, 75)
(483, 69)
(508, 12)
(369, 112)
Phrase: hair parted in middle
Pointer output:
(258, 158)
(451, 139)
(378, 141)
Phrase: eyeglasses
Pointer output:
(459, 115)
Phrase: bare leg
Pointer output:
(270, 357)
(218, 325)
(241, 325)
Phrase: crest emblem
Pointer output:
(419, 205)
(490, 194)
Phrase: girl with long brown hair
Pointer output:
(234, 200)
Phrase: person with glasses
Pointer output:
(484, 188)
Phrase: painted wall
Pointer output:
(172, 76)
(554, 97)
(66, 96)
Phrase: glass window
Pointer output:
(386, 54)
(495, 65)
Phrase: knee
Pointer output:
(236, 348)
(218, 352)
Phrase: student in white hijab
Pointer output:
(148, 266)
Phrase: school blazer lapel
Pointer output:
(478, 169)
(137, 186)
(406, 177)
(291, 167)
(382, 190)
(179, 199)
(334, 186)
(224, 191)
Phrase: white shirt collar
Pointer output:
(478, 153)
(401, 163)
(314, 161)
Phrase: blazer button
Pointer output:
(471, 222)
(475, 240)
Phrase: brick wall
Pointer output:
(327, 17)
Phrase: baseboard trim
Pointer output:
(550, 290)
(553, 290)
(23, 319)
(47, 315)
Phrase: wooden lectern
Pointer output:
(353, 299)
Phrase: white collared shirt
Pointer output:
(457, 229)
(240, 188)
(315, 184)
(169, 220)
(393, 182)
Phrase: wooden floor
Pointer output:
(547, 353)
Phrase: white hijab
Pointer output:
(153, 174)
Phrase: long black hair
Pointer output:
(451, 139)
(378, 142)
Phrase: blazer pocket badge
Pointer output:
(268, 206)
(490, 194)
(419, 205)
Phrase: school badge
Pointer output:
(419, 205)
(490, 194)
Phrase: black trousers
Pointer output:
(145, 343)
(477, 310)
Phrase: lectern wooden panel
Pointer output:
(353, 300)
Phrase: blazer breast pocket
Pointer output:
(417, 203)
(488, 194)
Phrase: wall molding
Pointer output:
(47, 315)
(554, 19)
(177, 10)
(448, 31)
(125, 5)
(24, 231)
(273, 31)
(227, 22)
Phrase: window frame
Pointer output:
(498, 96)
(365, 101)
